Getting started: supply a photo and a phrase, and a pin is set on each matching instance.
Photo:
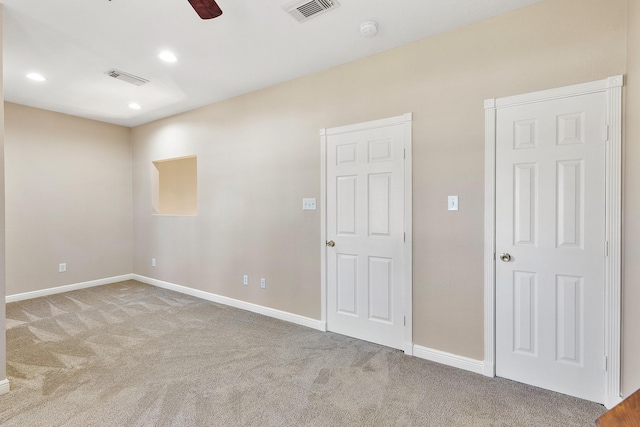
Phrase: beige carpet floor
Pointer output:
(130, 354)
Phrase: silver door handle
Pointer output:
(331, 243)
(506, 257)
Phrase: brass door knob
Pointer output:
(331, 243)
(505, 257)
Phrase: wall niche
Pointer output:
(175, 186)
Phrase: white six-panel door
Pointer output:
(550, 244)
(365, 221)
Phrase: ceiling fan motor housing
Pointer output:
(206, 9)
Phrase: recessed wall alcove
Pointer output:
(175, 186)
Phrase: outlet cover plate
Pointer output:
(263, 283)
(309, 204)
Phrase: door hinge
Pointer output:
(404, 238)
(606, 248)
(404, 320)
(404, 153)
(606, 363)
(606, 133)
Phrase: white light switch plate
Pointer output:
(453, 203)
(308, 204)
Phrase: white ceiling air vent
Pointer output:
(307, 9)
(126, 77)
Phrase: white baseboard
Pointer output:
(611, 400)
(255, 308)
(66, 288)
(449, 359)
(4, 387)
(489, 370)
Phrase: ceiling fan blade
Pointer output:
(206, 9)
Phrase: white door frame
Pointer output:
(612, 304)
(406, 121)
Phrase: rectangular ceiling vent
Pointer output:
(307, 9)
(126, 77)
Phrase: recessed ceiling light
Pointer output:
(134, 106)
(36, 77)
(167, 56)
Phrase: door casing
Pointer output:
(613, 222)
(406, 121)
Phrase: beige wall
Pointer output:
(3, 348)
(68, 199)
(259, 155)
(631, 183)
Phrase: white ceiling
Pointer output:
(254, 44)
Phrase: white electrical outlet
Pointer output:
(263, 283)
(62, 267)
(245, 279)
(153, 262)
(453, 203)
(308, 204)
